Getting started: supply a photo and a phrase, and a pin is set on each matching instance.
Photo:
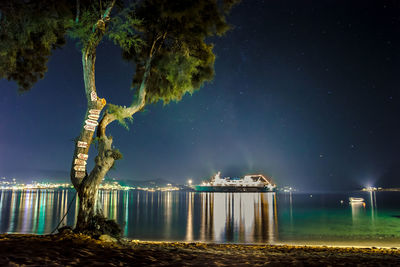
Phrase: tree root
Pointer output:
(100, 225)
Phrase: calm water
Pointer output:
(219, 217)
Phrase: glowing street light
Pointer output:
(190, 182)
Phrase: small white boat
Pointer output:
(356, 199)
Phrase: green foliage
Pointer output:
(31, 29)
(82, 29)
(175, 34)
(29, 32)
(173, 76)
(120, 114)
(170, 34)
(122, 31)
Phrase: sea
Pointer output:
(252, 218)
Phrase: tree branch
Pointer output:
(127, 111)
(94, 103)
(106, 157)
(77, 11)
(103, 161)
(136, 106)
(89, 52)
(107, 12)
(153, 49)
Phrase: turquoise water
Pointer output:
(273, 218)
(324, 218)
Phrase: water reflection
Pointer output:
(167, 213)
(373, 206)
(32, 211)
(357, 212)
(244, 217)
(219, 217)
(189, 224)
(215, 217)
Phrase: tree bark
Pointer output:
(90, 218)
(87, 184)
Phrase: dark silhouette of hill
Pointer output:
(44, 175)
(147, 183)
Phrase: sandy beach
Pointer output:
(72, 249)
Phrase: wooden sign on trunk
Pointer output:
(90, 128)
(79, 174)
(79, 168)
(80, 162)
(93, 96)
(82, 156)
(91, 122)
(94, 111)
(82, 144)
(93, 117)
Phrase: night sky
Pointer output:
(305, 92)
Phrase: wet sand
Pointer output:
(72, 249)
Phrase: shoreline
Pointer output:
(75, 249)
(366, 244)
(316, 244)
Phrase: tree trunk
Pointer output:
(87, 209)
(90, 219)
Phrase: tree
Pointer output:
(166, 40)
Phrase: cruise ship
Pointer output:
(249, 183)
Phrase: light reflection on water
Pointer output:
(215, 217)
(244, 217)
(32, 211)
